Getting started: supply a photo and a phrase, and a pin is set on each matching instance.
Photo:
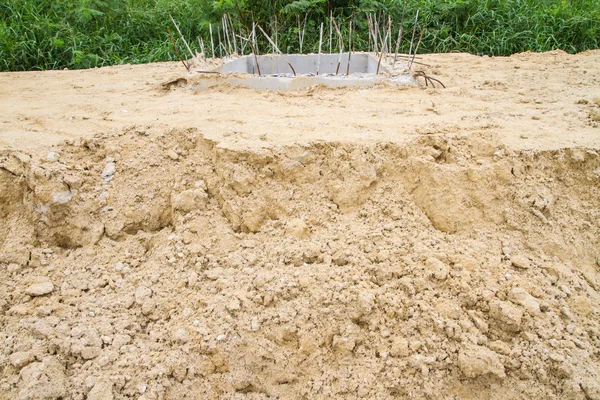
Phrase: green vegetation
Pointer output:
(52, 34)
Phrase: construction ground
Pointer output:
(399, 241)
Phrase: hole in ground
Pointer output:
(305, 64)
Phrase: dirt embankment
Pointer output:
(231, 243)
(158, 264)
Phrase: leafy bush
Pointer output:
(52, 34)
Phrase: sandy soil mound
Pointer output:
(158, 262)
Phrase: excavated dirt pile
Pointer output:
(157, 264)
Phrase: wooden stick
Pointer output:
(201, 42)
(330, 30)
(254, 42)
(302, 31)
(413, 35)
(242, 43)
(276, 48)
(389, 34)
(220, 44)
(373, 32)
(384, 30)
(299, 32)
(177, 50)
(416, 49)
(383, 49)
(375, 37)
(382, 34)
(382, 39)
(226, 34)
(349, 48)
(304, 27)
(231, 49)
(370, 48)
(181, 35)
(341, 43)
(406, 56)
(399, 36)
(233, 34)
(320, 44)
(275, 35)
(253, 52)
(414, 62)
(370, 27)
(212, 42)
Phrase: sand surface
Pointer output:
(230, 243)
(530, 101)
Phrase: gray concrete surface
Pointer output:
(304, 64)
(276, 74)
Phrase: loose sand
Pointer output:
(393, 242)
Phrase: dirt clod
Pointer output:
(40, 289)
(476, 361)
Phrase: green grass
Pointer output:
(503, 27)
(53, 34)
